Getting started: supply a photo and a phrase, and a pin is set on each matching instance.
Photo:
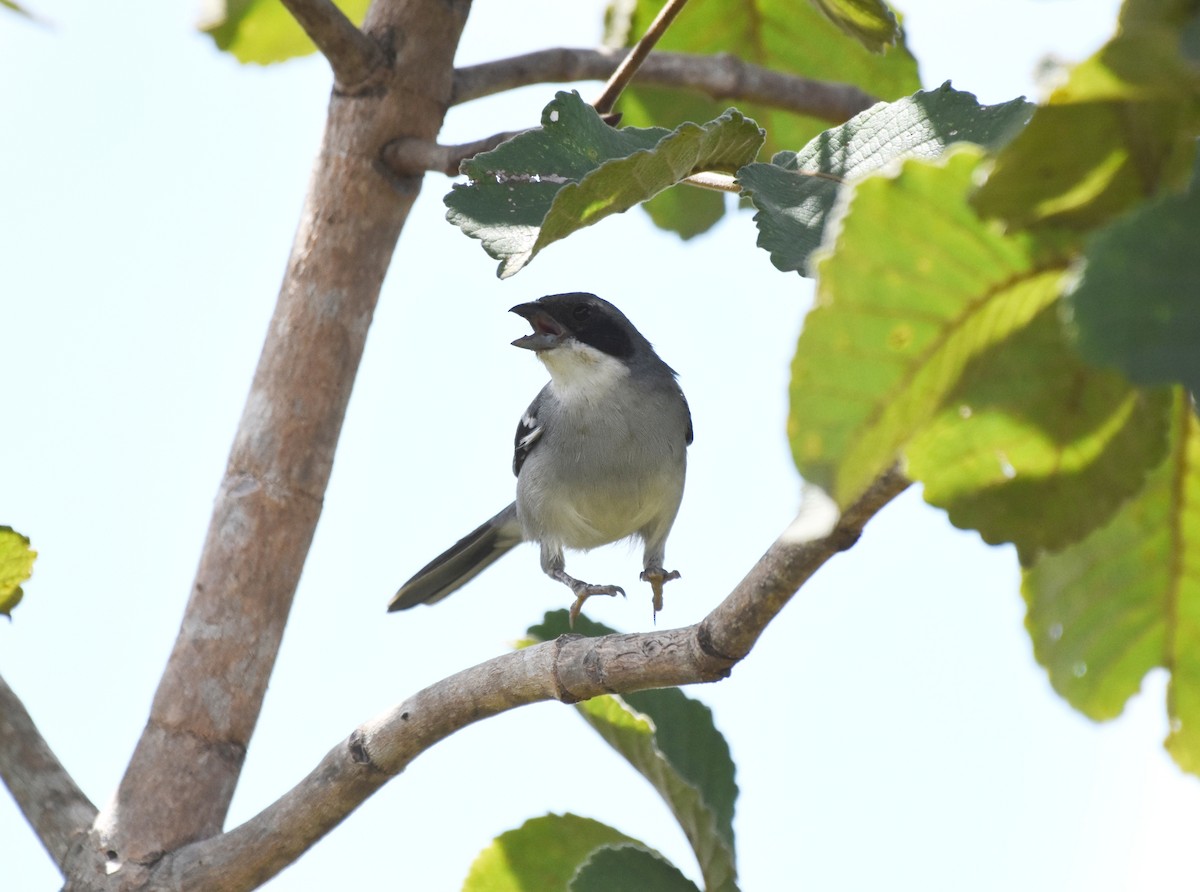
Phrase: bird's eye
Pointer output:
(581, 312)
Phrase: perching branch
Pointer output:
(631, 63)
(569, 669)
(734, 625)
(354, 56)
(721, 76)
(51, 801)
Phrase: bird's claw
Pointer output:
(583, 591)
(657, 577)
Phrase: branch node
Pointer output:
(561, 693)
(708, 647)
(357, 744)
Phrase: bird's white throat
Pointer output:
(580, 372)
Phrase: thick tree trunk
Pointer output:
(186, 765)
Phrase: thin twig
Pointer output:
(51, 801)
(716, 182)
(631, 63)
(353, 56)
(719, 77)
(569, 669)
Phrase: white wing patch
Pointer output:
(528, 433)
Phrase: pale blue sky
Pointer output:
(891, 730)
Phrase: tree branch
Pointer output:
(354, 56)
(734, 625)
(60, 813)
(411, 157)
(719, 77)
(630, 64)
(569, 669)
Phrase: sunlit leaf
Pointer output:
(1104, 612)
(1132, 112)
(870, 22)
(1036, 447)
(16, 566)
(915, 285)
(263, 31)
(543, 853)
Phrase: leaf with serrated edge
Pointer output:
(545, 184)
(722, 145)
(633, 735)
(16, 566)
(1036, 447)
(796, 192)
(915, 286)
(1104, 612)
(628, 867)
(543, 853)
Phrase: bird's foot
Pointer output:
(657, 577)
(583, 591)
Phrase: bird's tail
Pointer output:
(459, 563)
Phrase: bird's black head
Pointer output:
(578, 315)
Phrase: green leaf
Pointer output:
(1121, 129)
(915, 286)
(545, 184)
(543, 853)
(688, 212)
(686, 773)
(794, 38)
(870, 22)
(1035, 447)
(796, 192)
(1136, 305)
(16, 565)
(1104, 612)
(629, 869)
(263, 31)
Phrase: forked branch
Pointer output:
(353, 55)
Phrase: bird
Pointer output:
(600, 455)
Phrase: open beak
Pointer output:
(547, 333)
